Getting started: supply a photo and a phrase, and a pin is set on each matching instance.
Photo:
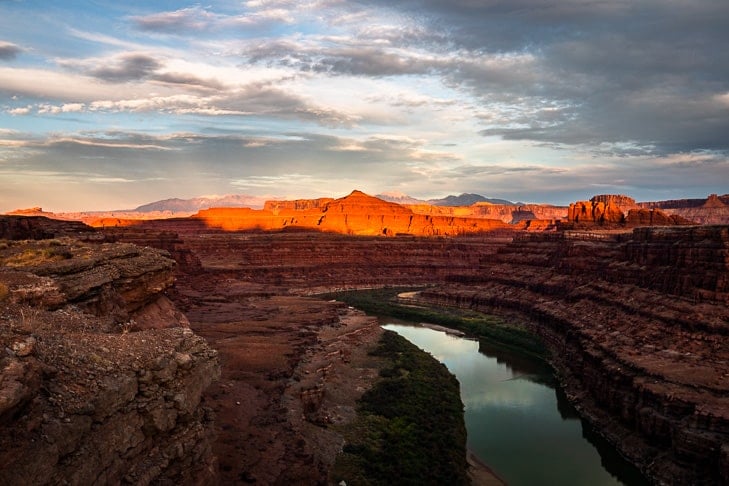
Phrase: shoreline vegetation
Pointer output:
(410, 422)
(415, 382)
(383, 302)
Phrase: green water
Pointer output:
(518, 421)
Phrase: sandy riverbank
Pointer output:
(481, 474)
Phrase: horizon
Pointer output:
(108, 105)
(263, 199)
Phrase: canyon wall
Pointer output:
(638, 326)
(101, 379)
(636, 319)
(712, 210)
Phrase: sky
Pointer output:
(110, 105)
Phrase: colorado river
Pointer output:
(518, 422)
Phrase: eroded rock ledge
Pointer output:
(88, 393)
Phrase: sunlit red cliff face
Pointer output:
(508, 213)
(356, 214)
(610, 210)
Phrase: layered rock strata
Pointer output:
(638, 326)
(40, 227)
(84, 398)
(617, 211)
(712, 210)
(637, 319)
(508, 213)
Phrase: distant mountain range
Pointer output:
(177, 205)
(465, 199)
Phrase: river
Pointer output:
(519, 422)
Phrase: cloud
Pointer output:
(127, 67)
(22, 110)
(9, 51)
(197, 19)
(630, 72)
(192, 18)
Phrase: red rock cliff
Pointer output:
(617, 210)
(355, 214)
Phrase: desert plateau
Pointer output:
(212, 349)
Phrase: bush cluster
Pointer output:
(381, 302)
(410, 428)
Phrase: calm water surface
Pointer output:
(518, 421)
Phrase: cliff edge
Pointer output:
(101, 378)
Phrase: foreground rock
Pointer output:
(83, 399)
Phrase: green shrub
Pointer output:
(410, 428)
(381, 302)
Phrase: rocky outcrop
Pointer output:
(40, 227)
(85, 398)
(600, 209)
(712, 210)
(296, 204)
(110, 280)
(653, 217)
(617, 211)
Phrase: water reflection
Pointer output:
(518, 421)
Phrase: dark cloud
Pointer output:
(644, 72)
(188, 80)
(266, 99)
(9, 51)
(186, 19)
(127, 67)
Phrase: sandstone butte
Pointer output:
(108, 375)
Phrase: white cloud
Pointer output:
(23, 110)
